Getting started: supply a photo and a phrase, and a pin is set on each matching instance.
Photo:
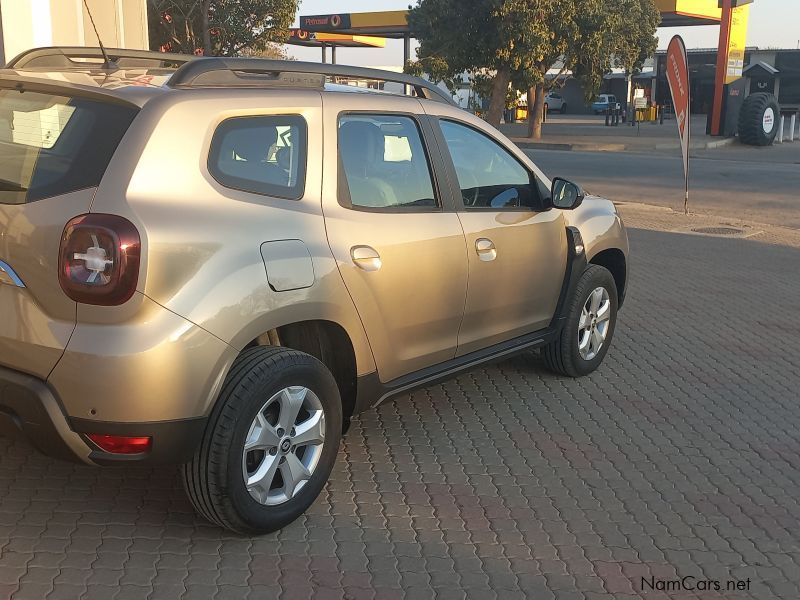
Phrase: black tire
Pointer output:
(213, 478)
(759, 112)
(562, 355)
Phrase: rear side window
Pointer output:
(51, 145)
(384, 163)
(263, 155)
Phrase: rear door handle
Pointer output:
(485, 249)
(366, 258)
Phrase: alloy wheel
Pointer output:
(594, 323)
(283, 445)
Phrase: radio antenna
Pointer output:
(106, 60)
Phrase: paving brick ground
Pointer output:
(679, 457)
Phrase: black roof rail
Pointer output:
(251, 72)
(62, 57)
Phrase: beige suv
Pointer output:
(219, 262)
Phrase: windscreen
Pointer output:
(51, 144)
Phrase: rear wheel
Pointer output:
(592, 315)
(270, 443)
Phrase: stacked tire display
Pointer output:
(759, 119)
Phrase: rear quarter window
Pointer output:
(261, 154)
(51, 145)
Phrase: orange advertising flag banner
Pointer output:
(678, 79)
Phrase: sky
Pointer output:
(773, 23)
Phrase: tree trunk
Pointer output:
(207, 49)
(497, 101)
(535, 111)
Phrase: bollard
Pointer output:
(792, 123)
(544, 114)
(782, 124)
(608, 116)
(661, 115)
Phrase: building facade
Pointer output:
(26, 24)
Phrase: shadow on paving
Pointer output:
(679, 457)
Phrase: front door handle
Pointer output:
(485, 249)
(366, 258)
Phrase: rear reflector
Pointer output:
(117, 444)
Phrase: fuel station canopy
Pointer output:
(685, 13)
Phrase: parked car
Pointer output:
(219, 265)
(555, 101)
(603, 102)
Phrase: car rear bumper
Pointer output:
(29, 408)
(146, 374)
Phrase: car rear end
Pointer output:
(81, 347)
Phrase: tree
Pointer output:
(548, 33)
(519, 41)
(635, 39)
(220, 27)
(464, 35)
(587, 38)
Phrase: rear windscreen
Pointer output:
(51, 145)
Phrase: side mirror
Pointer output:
(565, 194)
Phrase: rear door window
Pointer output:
(51, 145)
(385, 165)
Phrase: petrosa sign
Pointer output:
(678, 79)
(325, 22)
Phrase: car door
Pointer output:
(516, 251)
(396, 238)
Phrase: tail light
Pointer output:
(99, 259)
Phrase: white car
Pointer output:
(604, 102)
(554, 101)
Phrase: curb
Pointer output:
(584, 147)
(706, 146)
(528, 145)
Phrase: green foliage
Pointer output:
(220, 27)
(524, 39)
(635, 39)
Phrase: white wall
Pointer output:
(26, 24)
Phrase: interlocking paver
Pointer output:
(678, 457)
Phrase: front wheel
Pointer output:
(592, 315)
(270, 442)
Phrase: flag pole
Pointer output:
(688, 140)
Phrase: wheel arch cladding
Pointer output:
(613, 259)
(328, 342)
